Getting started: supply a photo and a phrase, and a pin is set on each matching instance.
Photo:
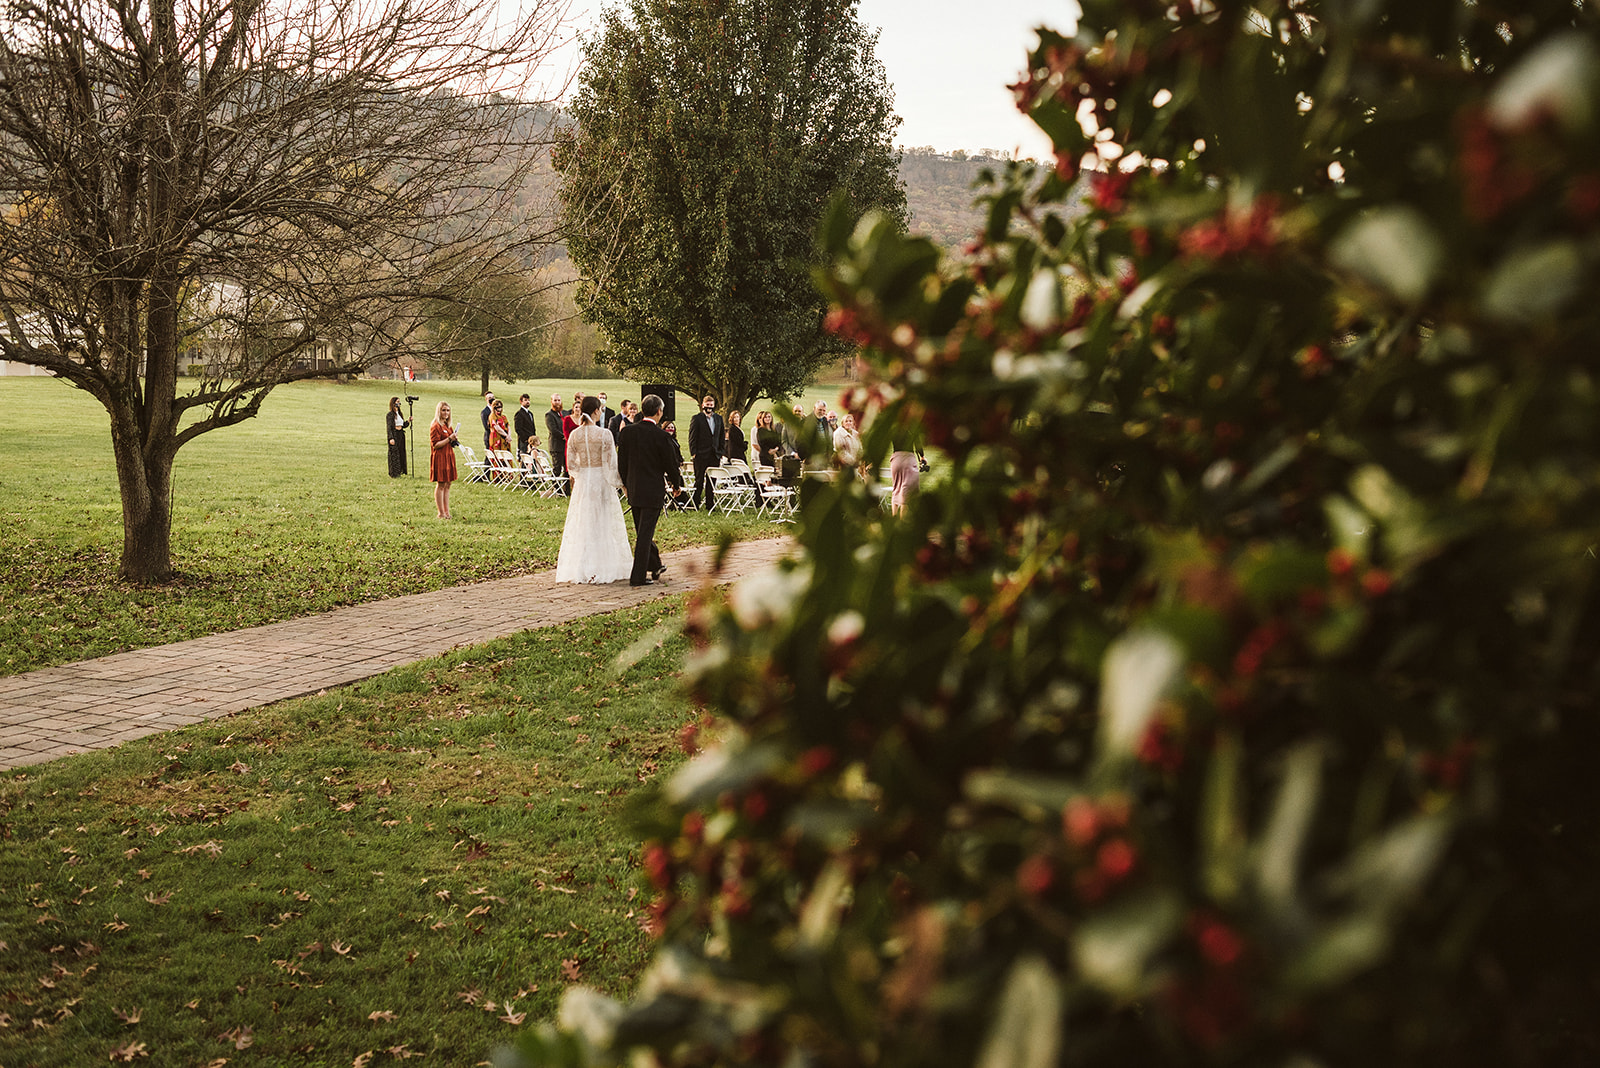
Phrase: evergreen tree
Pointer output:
(709, 140)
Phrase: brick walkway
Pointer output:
(100, 703)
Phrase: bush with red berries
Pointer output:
(1235, 699)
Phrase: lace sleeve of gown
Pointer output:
(608, 460)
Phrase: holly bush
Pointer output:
(1233, 700)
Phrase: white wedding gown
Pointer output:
(594, 543)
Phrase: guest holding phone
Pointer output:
(442, 458)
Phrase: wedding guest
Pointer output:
(527, 429)
(707, 439)
(556, 436)
(441, 458)
(817, 443)
(769, 442)
(622, 418)
(488, 410)
(499, 429)
(847, 446)
(396, 423)
(905, 465)
(736, 449)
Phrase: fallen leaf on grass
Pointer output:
(195, 1004)
(129, 1052)
(363, 1059)
(471, 997)
(144, 873)
(441, 925)
(381, 1014)
(569, 970)
(401, 1053)
(241, 1036)
(481, 910)
(158, 899)
(218, 1063)
(534, 989)
(47, 982)
(341, 948)
(513, 1018)
(213, 847)
(130, 1017)
(116, 924)
(347, 806)
(5, 1019)
(239, 767)
(129, 854)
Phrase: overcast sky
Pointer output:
(949, 62)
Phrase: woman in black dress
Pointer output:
(395, 425)
(735, 448)
(769, 441)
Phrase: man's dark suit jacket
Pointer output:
(703, 443)
(557, 438)
(645, 458)
(525, 427)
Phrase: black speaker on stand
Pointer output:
(669, 402)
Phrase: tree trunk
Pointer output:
(144, 476)
(484, 385)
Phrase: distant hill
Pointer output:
(939, 193)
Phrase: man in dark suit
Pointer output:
(707, 438)
(621, 419)
(527, 430)
(646, 460)
(488, 408)
(556, 438)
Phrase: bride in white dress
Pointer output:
(594, 543)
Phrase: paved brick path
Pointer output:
(96, 704)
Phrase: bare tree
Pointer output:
(300, 178)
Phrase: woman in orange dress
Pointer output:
(442, 458)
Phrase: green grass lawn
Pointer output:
(287, 514)
(409, 866)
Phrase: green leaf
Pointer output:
(1283, 842)
(1223, 840)
(1339, 952)
(1533, 284)
(1137, 668)
(1111, 949)
(1026, 1032)
(1558, 79)
(1034, 796)
(1395, 248)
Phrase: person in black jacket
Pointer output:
(707, 439)
(527, 430)
(556, 440)
(647, 461)
(736, 449)
(395, 424)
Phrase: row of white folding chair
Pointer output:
(477, 470)
(539, 475)
(730, 491)
(776, 500)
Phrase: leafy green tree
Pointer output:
(708, 140)
(493, 325)
(1233, 699)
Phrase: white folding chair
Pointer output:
(729, 491)
(503, 469)
(477, 470)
